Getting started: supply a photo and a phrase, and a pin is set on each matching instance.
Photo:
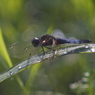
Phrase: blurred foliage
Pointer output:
(22, 20)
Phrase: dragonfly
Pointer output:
(49, 40)
(45, 41)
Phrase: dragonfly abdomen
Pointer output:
(77, 41)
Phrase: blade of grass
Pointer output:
(31, 78)
(36, 67)
(54, 16)
(3, 51)
(75, 49)
(5, 56)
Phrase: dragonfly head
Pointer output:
(36, 42)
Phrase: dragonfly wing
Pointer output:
(19, 50)
(58, 34)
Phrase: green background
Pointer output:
(24, 19)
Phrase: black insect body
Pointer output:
(47, 40)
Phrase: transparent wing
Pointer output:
(24, 49)
(58, 33)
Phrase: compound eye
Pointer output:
(35, 42)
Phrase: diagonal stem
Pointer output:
(81, 48)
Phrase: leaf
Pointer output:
(3, 51)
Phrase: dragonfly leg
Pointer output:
(43, 50)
